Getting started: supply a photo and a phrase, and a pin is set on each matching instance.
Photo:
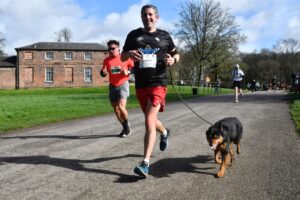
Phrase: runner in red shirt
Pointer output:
(118, 83)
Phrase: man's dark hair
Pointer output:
(110, 42)
(150, 6)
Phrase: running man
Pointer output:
(118, 83)
(152, 50)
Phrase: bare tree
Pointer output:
(64, 35)
(2, 43)
(287, 46)
(288, 50)
(208, 31)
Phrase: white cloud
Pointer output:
(293, 28)
(25, 22)
(265, 22)
(238, 6)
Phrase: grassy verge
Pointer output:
(32, 107)
(295, 110)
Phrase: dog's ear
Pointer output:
(208, 131)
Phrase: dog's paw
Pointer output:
(220, 174)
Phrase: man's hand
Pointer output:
(169, 60)
(102, 73)
(135, 55)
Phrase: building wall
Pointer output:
(7, 78)
(66, 73)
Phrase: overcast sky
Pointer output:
(23, 22)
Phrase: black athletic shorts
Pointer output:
(237, 84)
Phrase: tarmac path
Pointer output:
(84, 159)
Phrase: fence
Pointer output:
(198, 87)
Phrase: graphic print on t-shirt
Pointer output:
(149, 59)
(115, 69)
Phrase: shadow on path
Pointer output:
(78, 137)
(73, 164)
(168, 166)
(159, 169)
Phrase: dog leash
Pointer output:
(185, 103)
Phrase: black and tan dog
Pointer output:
(221, 136)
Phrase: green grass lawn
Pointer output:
(295, 111)
(31, 107)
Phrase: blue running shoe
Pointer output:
(142, 169)
(164, 141)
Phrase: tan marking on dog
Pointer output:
(225, 162)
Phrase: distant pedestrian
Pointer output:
(253, 83)
(274, 82)
(218, 86)
(237, 76)
(118, 83)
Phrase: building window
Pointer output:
(49, 56)
(87, 74)
(49, 74)
(68, 74)
(69, 56)
(28, 55)
(87, 56)
(29, 74)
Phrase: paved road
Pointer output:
(83, 159)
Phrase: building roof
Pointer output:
(63, 46)
(8, 61)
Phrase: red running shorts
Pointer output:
(156, 95)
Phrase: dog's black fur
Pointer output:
(220, 136)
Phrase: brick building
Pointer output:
(55, 64)
(8, 72)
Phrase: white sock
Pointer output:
(165, 132)
(147, 161)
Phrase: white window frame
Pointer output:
(87, 57)
(88, 75)
(49, 74)
(49, 55)
(67, 57)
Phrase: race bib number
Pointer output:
(115, 70)
(148, 61)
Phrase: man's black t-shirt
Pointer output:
(159, 43)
